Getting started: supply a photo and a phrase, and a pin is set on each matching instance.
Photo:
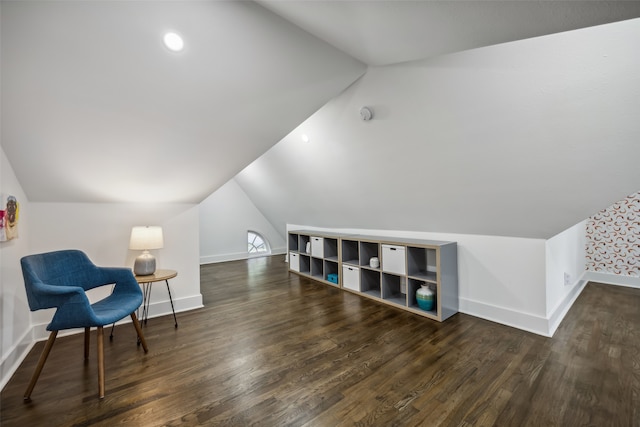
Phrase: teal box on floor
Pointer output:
(333, 278)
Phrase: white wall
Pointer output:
(102, 230)
(225, 218)
(500, 278)
(565, 255)
(15, 326)
(514, 281)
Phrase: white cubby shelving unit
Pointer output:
(404, 266)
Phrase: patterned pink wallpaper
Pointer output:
(613, 238)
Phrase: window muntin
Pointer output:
(256, 244)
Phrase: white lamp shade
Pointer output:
(146, 237)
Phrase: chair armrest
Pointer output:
(123, 278)
(50, 296)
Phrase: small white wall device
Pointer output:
(366, 114)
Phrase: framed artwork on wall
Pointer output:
(9, 214)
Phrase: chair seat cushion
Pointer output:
(115, 307)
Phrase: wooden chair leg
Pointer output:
(87, 341)
(43, 359)
(100, 334)
(136, 325)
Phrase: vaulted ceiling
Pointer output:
(522, 139)
(383, 32)
(95, 109)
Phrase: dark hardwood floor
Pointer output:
(271, 349)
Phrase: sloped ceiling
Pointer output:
(96, 109)
(383, 32)
(522, 139)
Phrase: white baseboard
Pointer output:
(163, 308)
(38, 332)
(529, 322)
(156, 309)
(212, 259)
(561, 310)
(15, 356)
(612, 279)
(505, 316)
(588, 276)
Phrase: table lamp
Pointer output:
(144, 238)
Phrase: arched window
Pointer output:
(256, 244)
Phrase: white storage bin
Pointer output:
(394, 259)
(294, 261)
(317, 247)
(351, 277)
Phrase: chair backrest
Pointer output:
(60, 268)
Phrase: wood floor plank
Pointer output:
(273, 348)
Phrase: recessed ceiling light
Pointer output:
(173, 42)
(305, 138)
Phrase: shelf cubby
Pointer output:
(316, 268)
(370, 283)
(302, 243)
(368, 250)
(305, 264)
(331, 249)
(394, 289)
(293, 242)
(350, 252)
(412, 286)
(330, 267)
(422, 263)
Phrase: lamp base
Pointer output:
(145, 264)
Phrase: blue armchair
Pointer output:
(59, 280)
